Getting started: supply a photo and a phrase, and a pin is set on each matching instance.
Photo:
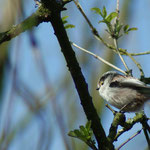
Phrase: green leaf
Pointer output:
(126, 27)
(96, 10)
(132, 29)
(111, 16)
(102, 21)
(82, 128)
(84, 133)
(69, 26)
(65, 21)
(104, 12)
(64, 18)
(72, 134)
(88, 137)
(117, 30)
(88, 125)
(77, 132)
(119, 27)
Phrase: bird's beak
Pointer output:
(97, 88)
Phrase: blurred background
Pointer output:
(39, 104)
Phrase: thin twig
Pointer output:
(115, 39)
(117, 11)
(137, 64)
(98, 37)
(117, 7)
(84, 15)
(99, 58)
(137, 133)
(113, 111)
(94, 31)
(116, 46)
(142, 53)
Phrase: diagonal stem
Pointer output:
(79, 82)
(116, 45)
(99, 58)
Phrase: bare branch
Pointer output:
(142, 53)
(137, 133)
(99, 58)
(116, 46)
(137, 64)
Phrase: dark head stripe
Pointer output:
(113, 74)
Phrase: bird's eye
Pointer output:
(101, 83)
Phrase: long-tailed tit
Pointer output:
(123, 92)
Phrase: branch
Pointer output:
(119, 119)
(98, 37)
(116, 39)
(139, 118)
(35, 19)
(78, 79)
(99, 58)
(137, 64)
(146, 129)
(133, 136)
(142, 53)
(118, 52)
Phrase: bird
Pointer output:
(124, 92)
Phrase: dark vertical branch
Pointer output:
(79, 82)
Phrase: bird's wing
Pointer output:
(131, 83)
(139, 86)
